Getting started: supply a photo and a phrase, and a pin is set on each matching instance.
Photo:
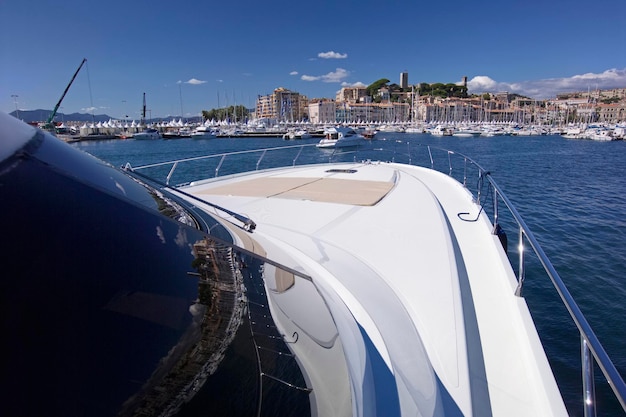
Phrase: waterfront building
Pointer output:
(282, 105)
(386, 112)
(502, 98)
(572, 102)
(611, 113)
(498, 115)
(618, 93)
(322, 111)
(585, 113)
(351, 95)
(449, 110)
(384, 94)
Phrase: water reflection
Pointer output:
(231, 292)
(217, 314)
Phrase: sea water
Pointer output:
(571, 193)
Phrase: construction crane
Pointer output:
(48, 124)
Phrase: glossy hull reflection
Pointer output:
(117, 304)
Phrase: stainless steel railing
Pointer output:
(222, 157)
(592, 350)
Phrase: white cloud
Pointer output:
(611, 75)
(482, 83)
(356, 84)
(332, 77)
(332, 55)
(293, 73)
(89, 109)
(550, 87)
(335, 77)
(195, 81)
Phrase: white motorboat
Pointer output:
(183, 132)
(147, 134)
(292, 134)
(440, 130)
(307, 263)
(446, 336)
(340, 137)
(466, 132)
(204, 132)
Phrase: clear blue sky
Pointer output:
(219, 53)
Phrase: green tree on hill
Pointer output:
(373, 88)
(443, 90)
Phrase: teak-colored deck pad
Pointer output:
(329, 190)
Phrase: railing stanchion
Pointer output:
(430, 154)
(589, 390)
(480, 187)
(217, 169)
(167, 180)
(297, 156)
(521, 272)
(465, 172)
(495, 209)
(260, 159)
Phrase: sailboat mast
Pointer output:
(143, 110)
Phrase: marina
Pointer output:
(175, 129)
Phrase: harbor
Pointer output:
(177, 129)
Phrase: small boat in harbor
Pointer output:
(440, 130)
(294, 134)
(204, 132)
(147, 134)
(274, 276)
(466, 132)
(183, 132)
(340, 137)
(369, 133)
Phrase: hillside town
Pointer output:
(439, 109)
(405, 105)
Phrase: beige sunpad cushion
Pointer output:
(330, 190)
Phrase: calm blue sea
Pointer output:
(571, 193)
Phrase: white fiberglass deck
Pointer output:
(431, 291)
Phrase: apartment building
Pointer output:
(322, 111)
(611, 113)
(282, 105)
(387, 112)
(351, 95)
